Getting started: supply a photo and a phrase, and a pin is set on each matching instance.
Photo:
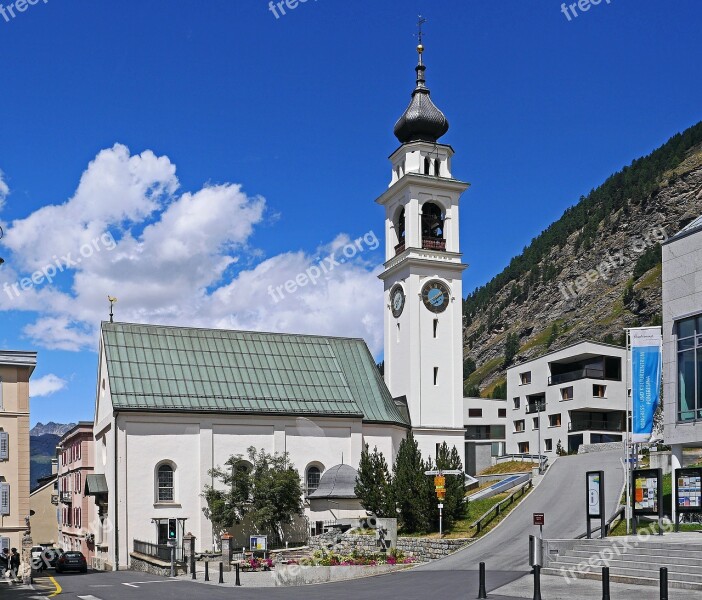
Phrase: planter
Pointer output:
(295, 575)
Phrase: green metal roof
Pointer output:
(159, 368)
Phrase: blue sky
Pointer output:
(201, 152)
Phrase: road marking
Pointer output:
(136, 584)
(57, 587)
(88, 598)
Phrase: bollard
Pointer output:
(221, 572)
(537, 582)
(193, 566)
(482, 593)
(238, 582)
(207, 571)
(605, 583)
(664, 583)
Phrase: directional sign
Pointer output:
(450, 472)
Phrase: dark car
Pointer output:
(72, 561)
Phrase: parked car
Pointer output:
(51, 555)
(37, 562)
(72, 561)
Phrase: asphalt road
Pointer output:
(560, 496)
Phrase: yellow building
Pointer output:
(15, 370)
(43, 503)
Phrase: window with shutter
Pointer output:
(4, 543)
(4, 499)
(4, 445)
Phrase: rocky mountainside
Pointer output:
(590, 274)
(52, 428)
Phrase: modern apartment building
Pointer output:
(485, 423)
(76, 509)
(15, 370)
(682, 340)
(569, 397)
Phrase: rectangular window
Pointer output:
(554, 420)
(519, 426)
(548, 445)
(599, 391)
(517, 403)
(475, 413)
(502, 413)
(567, 393)
(4, 445)
(525, 378)
(4, 499)
(436, 375)
(436, 327)
(689, 355)
(523, 447)
(535, 423)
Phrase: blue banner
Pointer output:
(646, 363)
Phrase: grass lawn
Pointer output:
(510, 466)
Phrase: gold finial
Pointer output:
(112, 301)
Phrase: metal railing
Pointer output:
(159, 551)
(537, 407)
(595, 424)
(495, 511)
(584, 373)
(434, 244)
(67, 497)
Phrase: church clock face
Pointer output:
(436, 296)
(397, 300)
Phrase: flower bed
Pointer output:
(322, 558)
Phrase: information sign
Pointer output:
(647, 491)
(258, 543)
(539, 519)
(594, 491)
(688, 490)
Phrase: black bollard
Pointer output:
(664, 583)
(238, 582)
(193, 566)
(207, 571)
(605, 583)
(221, 572)
(482, 593)
(537, 582)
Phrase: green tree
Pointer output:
(511, 348)
(468, 367)
(472, 391)
(269, 493)
(628, 294)
(499, 392)
(412, 489)
(553, 335)
(454, 506)
(374, 485)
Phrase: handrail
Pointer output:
(608, 525)
(496, 509)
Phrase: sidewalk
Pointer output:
(559, 588)
(258, 579)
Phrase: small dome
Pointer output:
(422, 121)
(337, 482)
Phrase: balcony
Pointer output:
(585, 373)
(594, 425)
(538, 407)
(67, 497)
(400, 248)
(434, 244)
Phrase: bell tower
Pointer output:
(422, 275)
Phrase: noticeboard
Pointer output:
(647, 491)
(688, 490)
(539, 519)
(258, 543)
(594, 494)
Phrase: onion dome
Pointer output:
(422, 121)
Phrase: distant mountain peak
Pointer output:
(52, 428)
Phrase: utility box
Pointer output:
(536, 552)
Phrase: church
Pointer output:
(174, 402)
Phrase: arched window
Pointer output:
(166, 486)
(427, 164)
(437, 167)
(432, 221)
(314, 474)
(401, 227)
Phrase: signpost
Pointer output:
(688, 493)
(647, 494)
(595, 505)
(440, 488)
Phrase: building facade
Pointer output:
(682, 340)
(76, 509)
(43, 502)
(422, 275)
(485, 423)
(174, 403)
(16, 368)
(570, 397)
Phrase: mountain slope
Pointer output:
(591, 273)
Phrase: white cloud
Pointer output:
(4, 190)
(46, 385)
(177, 259)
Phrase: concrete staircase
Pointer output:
(630, 560)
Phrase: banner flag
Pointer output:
(646, 371)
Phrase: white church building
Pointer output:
(174, 402)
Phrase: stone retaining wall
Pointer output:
(153, 566)
(423, 549)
